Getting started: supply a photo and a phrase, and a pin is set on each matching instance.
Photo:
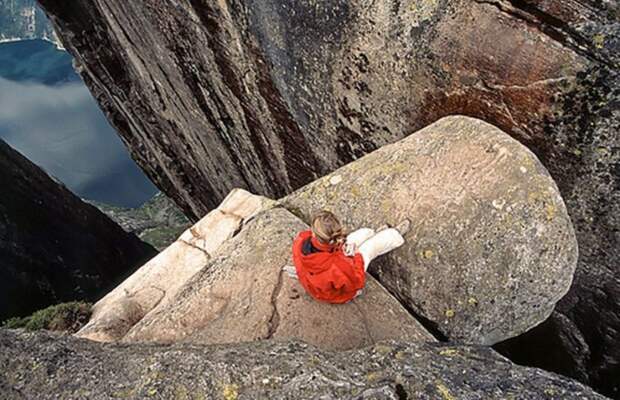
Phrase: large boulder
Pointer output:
(53, 246)
(46, 366)
(158, 281)
(243, 295)
(491, 249)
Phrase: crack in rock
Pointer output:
(195, 247)
(274, 320)
(364, 321)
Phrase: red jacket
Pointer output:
(328, 275)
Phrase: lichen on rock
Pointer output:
(488, 223)
(46, 366)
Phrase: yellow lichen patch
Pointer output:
(528, 161)
(181, 393)
(373, 376)
(550, 211)
(428, 253)
(383, 349)
(550, 392)
(599, 41)
(400, 355)
(314, 360)
(444, 391)
(124, 393)
(532, 197)
(449, 313)
(472, 301)
(602, 151)
(448, 352)
(230, 392)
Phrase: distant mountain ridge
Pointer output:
(25, 20)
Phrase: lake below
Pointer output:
(48, 114)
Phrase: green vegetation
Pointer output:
(162, 237)
(65, 317)
(158, 222)
(23, 19)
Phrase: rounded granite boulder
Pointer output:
(491, 247)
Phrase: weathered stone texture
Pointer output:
(243, 295)
(45, 366)
(491, 248)
(156, 283)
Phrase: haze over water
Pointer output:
(48, 114)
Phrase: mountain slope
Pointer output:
(53, 246)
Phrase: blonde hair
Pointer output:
(327, 228)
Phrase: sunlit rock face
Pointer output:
(222, 282)
(157, 282)
(53, 246)
(268, 96)
(491, 247)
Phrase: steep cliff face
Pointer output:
(268, 95)
(53, 246)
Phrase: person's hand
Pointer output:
(349, 249)
(290, 271)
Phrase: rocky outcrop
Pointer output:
(222, 282)
(157, 282)
(242, 295)
(45, 366)
(53, 246)
(491, 249)
(280, 94)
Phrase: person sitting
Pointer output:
(330, 265)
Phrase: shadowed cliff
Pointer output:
(53, 246)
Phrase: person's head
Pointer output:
(327, 228)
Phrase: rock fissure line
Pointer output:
(364, 321)
(274, 320)
(195, 247)
(529, 85)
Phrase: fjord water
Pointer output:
(48, 114)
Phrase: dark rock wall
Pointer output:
(268, 95)
(588, 124)
(53, 246)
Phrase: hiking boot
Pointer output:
(403, 226)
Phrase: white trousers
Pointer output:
(371, 245)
